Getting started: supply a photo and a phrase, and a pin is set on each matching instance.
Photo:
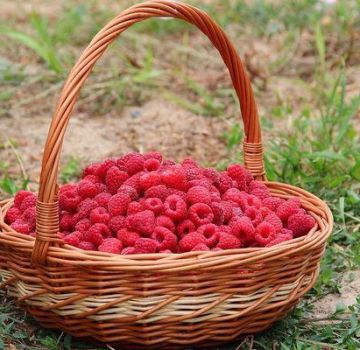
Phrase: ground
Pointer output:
(162, 86)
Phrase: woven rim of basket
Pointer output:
(60, 252)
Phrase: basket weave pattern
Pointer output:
(158, 299)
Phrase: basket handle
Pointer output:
(47, 207)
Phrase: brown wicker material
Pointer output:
(158, 299)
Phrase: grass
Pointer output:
(312, 142)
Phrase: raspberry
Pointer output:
(274, 220)
(94, 234)
(175, 207)
(259, 190)
(286, 231)
(153, 155)
(227, 208)
(264, 211)
(168, 163)
(92, 178)
(99, 215)
(165, 238)
(85, 207)
(114, 179)
(110, 245)
(218, 211)
(254, 215)
(134, 207)
(148, 180)
(67, 222)
(143, 222)
(20, 196)
(225, 182)
(28, 202)
(278, 239)
(174, 177)
(151, 164)
(237, 212)
(104, 167)
(191, 240)
(83, 225)
(103, 199)
(189, 163)
(264, 233)
(118, 204)
(179, 193)
(87, 189)
(72, 239)
(211, 234)
(91, 169)
(193, 173)
(272, 202)
(164, 221)
(116, 223)
(84, 245)
(200, 214)
(134, 182)
(154, 204)
(212, 175)
(69, 199)
(243, 229)
(12, 215)
(128, 238)
(240, 175)
(20, 227)
(228, 241)
(253, 201)
(159, 191)
(300, 224)
(198, 194)
(234, 195)
(225, 228)
(145, 246)
(288, 208)
(134, 163)
(132, 192)
(128, 251)
(203, 182)
(185, 227)
(200, 247)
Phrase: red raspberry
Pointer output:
(185, 227)
(111, 245)
(134, 163)
(198, 194)
(94, 234)
(67, 222)
(218, 211)
(274, 220)
(115, 178)
(128, 238)
(189, 163)
(87, 246)
(227, 208)
(286, 231)
(92, 178)
(83, 225)
(200, 214)
(168, 163)
(132, 192)
(193, 173)
(154, 204)
(189, 241)
(143, 222)
(159, 191)
(151, 164)
(174, 177)
(261, 192)
(91, 169)
(253, 201)
(165, 238)
(264, 233)
(237, 212)
(153, 155)
(243, 229)
(175, 207)
(203, 182)
(128, 251)
(116, 223)
(85, 207)
(72, 239)
(288, 208)
(228, 241)
(254, 215)
(279, 239)
(145, 246)
(211, 234)
(28, 202)
(273, 202)
(118, 204)
(99, 215)
(200, 247)
(300, 224)
(164, 221)
(148, 180)
(104, 167)
(234, 195)
(134, 182)
(240, 175)
(20, 227)
(179, 193)
(212, 175)
(225, 228)
(12, 215)
(103, 199)
(225, 182)
(69, 199)
(264, 211)
(87, 189)
(20, 196)
(135, 207)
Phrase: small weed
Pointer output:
(70, 171)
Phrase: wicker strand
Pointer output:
(254, 159)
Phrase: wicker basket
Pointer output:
(159, 300)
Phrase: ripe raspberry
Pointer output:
(111, 245)
(225, 182)
(104, 167)
(237, 212)
(189, 241)
(264, 233)
(84, 245)
(212, 175)
(175, 207)
(174, 177)
(143, 222)
(274, 220)
(164, 221)
(134, 182)
(154, 204)
(264, 211)
(150, 179)
(203, 182)
(189, 163)
(134, 163)
(87, 189)
(128, 251)
(200, 214)
(72, 239)
(103, 199)
(83, 225)
(225, 228)
(91, 169)
(211, 234)
(253, 201)
(12, 215)
(193, 173)
(135, 207)
(218, 211)
(228, 241)
(285, 235)
(151, 164)
(185, 227)
(115, 178)
(153, 155)
(198, 194)
(118, 204)
(243, 229)
(116, 223)
(159, 191)
(20, 227)
(300, 224)
(28, 202)
(165, 238)
(168, 163)
(145, 246)
(200, 247)
(254, 215)
(259, 190)
(99, 215)
(288, 208)
(20, 196)
(234, 195)
(92, 178)
(128, 238)
(239, 174)
(67, 222)
(286, 231)
(273, 202)
(132, 192)
(227, 208)
(85, 208)
(69, 199)
(179, 193)
(94, 234)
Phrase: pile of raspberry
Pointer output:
(141, 203)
